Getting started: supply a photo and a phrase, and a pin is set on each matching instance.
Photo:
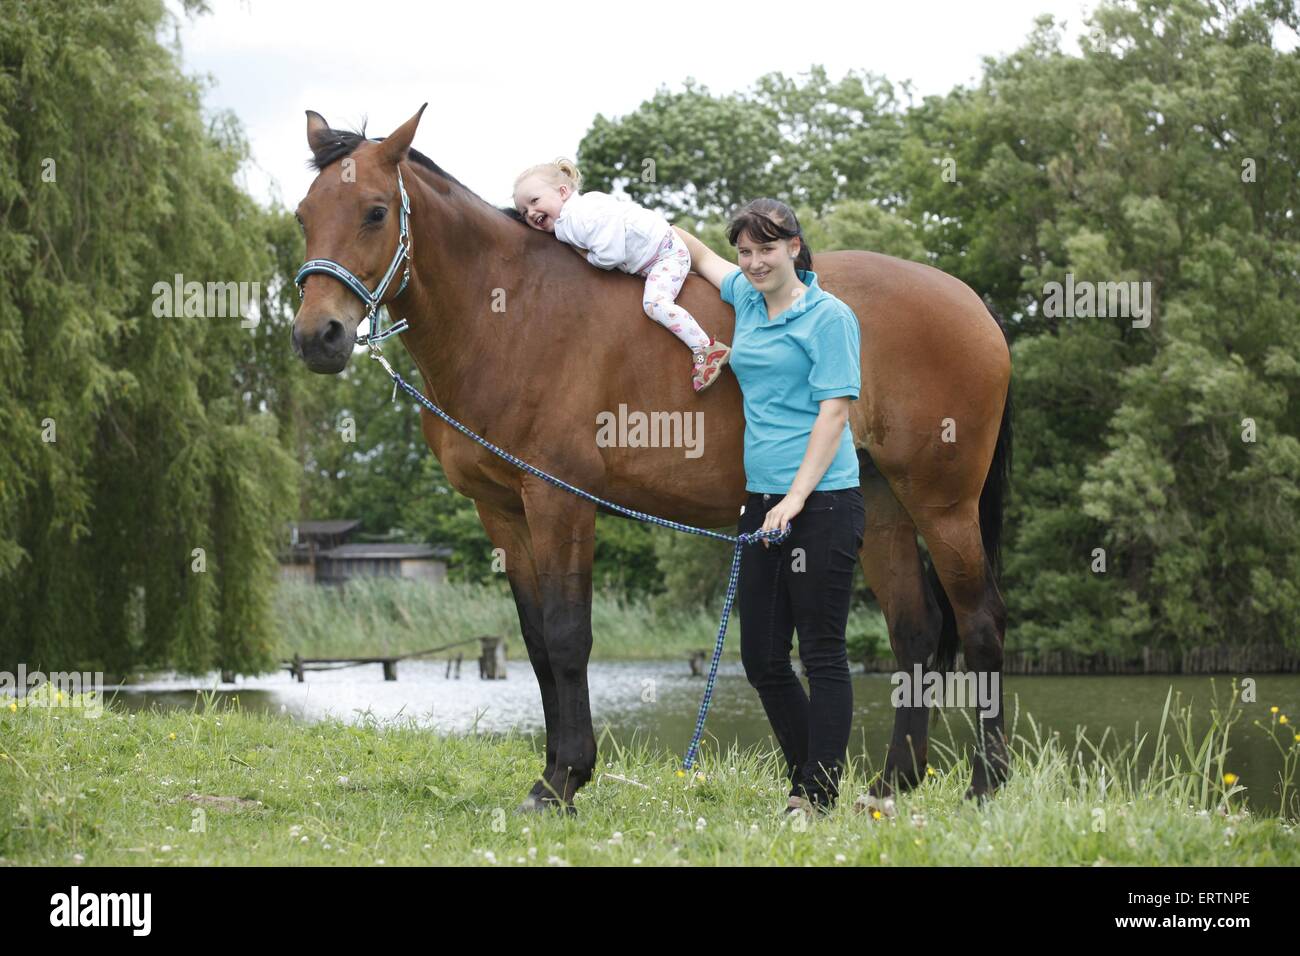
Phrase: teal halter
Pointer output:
(372, 300)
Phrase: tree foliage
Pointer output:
(144, 481)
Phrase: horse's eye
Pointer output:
(377, 214)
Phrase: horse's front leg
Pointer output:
(509, 531)
(563, 531)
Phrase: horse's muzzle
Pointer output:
(325, 350)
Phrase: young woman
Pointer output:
(795, 354)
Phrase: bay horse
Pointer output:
(526, 344)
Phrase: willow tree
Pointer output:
(143, 482)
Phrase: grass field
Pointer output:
(217, 786)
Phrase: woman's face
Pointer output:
(767, 265)
(540, 202)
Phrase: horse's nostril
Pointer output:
(333, 332)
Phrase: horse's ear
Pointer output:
(317, 131)
(396, 145)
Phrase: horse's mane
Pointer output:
(343, 142)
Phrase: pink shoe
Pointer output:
(708, 363)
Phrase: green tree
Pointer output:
(1164, 154)
(144, 480)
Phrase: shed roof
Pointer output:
(330, 526)
(383, 550)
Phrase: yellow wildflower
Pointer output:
(1230, 778)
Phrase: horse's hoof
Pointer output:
(530, 804)
(980, 797)
(534, 804)
(873, 805)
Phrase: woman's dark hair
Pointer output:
(767, 220)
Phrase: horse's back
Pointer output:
(935, 365)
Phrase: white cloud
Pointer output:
(513, 84)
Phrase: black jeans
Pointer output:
(803, 583)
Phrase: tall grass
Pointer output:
(381, 616)
(1177, 763)
(217, 786)
(388, 616)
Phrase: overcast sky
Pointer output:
(513, 84)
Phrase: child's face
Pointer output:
(540, 202)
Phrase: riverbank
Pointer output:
(377, 617)
(218, 786)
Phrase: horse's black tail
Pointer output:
(992, 501)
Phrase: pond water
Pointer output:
(657, 702)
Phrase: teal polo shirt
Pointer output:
(786, 365)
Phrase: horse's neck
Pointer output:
(468, 300)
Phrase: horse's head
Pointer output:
(351, 218)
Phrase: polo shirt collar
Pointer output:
(814, 294)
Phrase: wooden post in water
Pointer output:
(297, 669)
(492, 658)
(697, 663)
(390, 668)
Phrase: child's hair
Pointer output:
(560, 172)
(767, 220)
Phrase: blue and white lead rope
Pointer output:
(739, 540)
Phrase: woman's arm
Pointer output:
(704, 260)
(823, 444)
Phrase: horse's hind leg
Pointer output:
(891, 561)
(509, 532)
(957, 550)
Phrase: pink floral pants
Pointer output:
(663, 280)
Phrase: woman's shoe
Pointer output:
(708, 363)
(796, 806)
(875, 807)
(811, 809)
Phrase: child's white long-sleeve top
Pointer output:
(616, 233)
